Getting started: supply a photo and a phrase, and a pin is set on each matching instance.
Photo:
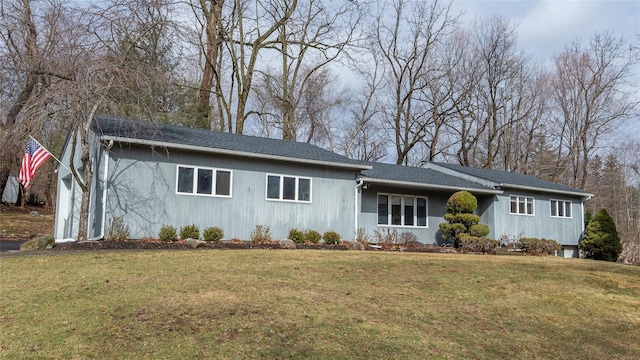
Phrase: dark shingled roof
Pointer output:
(147, 131)
(418, 175)
(507, 179)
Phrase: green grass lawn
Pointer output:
(315, 304)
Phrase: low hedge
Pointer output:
(535, 246)
(475, 244)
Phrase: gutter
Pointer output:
(104, 193)
(431, 186)
(359, 184)
(587, 196)
(233, 152)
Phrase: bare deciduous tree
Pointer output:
(407, 35)
(590, 96)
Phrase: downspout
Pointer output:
(104, 193)
(588, 197)
(359, 184)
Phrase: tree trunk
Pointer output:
(83, 225)
(213, 30)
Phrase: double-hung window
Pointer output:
(560, 208)
(288, 188)
(522, 205)
(203, 181)
(402, 210)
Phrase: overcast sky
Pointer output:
(546, 26)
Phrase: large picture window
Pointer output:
(522, 205)
(203, 181)
(561, 208)
(402, 210)
(288, 188)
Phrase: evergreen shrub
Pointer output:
(45, 242)
(331, 237)
(312, 236)
(168, 233)
(213, 233)
(297, 236)
(190, 232)
(601, 240)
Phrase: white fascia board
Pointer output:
(233, 152)
(547, 190)
(429, 186)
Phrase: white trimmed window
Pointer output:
(402, 210)
(521, 205)
(560, 208)
(203, 181)
(288, 188)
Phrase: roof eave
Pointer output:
(547, 190)
(232, 152)
(429, 186)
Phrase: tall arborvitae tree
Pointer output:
(601, 241)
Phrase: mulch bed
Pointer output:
(150, 244)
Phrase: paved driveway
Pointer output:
(8, 245)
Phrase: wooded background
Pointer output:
(393, 81)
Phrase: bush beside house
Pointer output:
(462, 228)
(601, 240)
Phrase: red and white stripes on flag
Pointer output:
(34, 156)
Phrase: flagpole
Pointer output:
(53, 156)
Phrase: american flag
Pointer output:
(34, 156)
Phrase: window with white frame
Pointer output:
(522, 205)
(203, 181)
(560, 208)
(402, 210)
(288, 188)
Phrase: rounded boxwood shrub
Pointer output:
(213, 233)
(462, 202)
(312, 236)
(190, 232)
(295, 235)
(331, 237)
(168, 233)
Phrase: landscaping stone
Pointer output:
(354, 245)
(287, 244)
(194, 243)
